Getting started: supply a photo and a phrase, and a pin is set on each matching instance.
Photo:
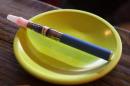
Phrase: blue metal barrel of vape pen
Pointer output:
(72, 41)
(86, 46)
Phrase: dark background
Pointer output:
(117, 12)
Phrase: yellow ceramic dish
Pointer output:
(55, 62)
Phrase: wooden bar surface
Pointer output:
(12, 74)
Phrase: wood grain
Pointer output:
(12, 74)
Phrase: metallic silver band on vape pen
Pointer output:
(45, 30)
(53, 33)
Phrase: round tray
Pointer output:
(55, 62)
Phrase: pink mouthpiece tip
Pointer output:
(18, 20)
